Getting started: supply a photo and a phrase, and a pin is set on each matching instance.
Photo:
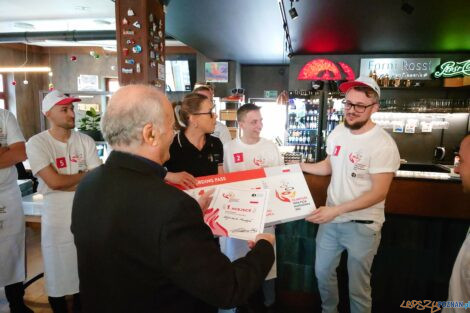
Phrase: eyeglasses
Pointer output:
(358, 107)
(211, 113)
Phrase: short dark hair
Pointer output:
(244, 109)
(368, 91)
(202, 88)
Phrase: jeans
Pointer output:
(361, 243)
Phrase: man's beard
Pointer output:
(66, 125)
(355, 126)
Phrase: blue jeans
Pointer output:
(362, 243)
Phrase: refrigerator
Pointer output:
(311, 116)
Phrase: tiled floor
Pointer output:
(35, 297)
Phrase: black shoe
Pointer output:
(58, 304)
(15, 294)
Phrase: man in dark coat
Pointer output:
(142, 245)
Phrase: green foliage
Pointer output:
(91, 121)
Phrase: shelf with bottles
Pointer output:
(301, 136)
(307, 152)
(430, 105)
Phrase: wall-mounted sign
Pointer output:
(87, 82)
(452, 69)
(272, 94)
(324, 69)
(403, 68)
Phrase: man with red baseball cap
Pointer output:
(362, 159)
(60, 157)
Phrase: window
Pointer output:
(3, 92)
(177, 75)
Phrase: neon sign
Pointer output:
(324, 69)
(452, 68)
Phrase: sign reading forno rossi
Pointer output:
(403, 68)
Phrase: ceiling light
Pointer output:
(81, 8)
(24, 69)
(23, 25)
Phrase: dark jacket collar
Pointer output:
(136, 163)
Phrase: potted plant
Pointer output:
(90, 125)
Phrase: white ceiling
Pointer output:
(61, 15)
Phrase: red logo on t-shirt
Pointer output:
(336, 150)
(61, 162)
(238, 157)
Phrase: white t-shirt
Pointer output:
(67, 158)
(10, 133)
(353, 159)
(221, 131)
(459, 286)
(239, 156)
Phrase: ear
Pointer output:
(150, 135)
(375, 108)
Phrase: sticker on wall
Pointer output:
(127, 70)
(136, 24)
(153, 64)
(152, 54)
(125, 51)
(160, 34)
(125, 21)
(398, 126)
(151, 18)
(161, 72)
(130, 41)
(137, 67)
(137, 49)
(154, 27)
(426, 127)
(130, 12)
(128, 32)
(129, 61)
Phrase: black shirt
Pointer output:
(184, 156)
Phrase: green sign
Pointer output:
(452, 69)
(270, 94)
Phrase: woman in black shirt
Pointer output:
(194, 150)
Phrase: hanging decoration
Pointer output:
(13, 82)
(51, 86)
(73, 58)
(94, 54)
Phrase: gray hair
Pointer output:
(129, 110)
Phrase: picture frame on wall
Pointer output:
(88, 83)
(216, 72)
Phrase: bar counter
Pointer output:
(412, 196)
(426, 223)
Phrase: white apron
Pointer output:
(12, 236)
(58, 249)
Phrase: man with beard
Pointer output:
(60, 157)
(362, 159)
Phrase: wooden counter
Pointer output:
(417, 197)
(426, 223)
